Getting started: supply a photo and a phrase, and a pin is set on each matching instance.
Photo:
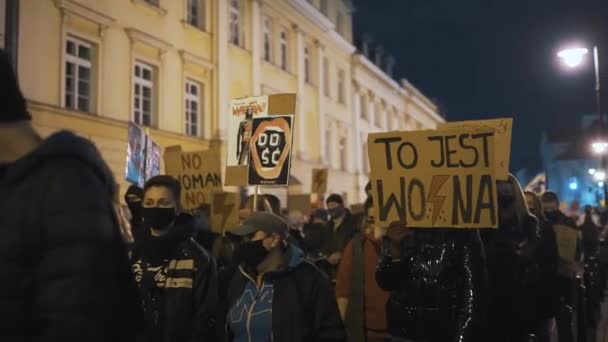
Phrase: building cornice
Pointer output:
(365, 62)
(71, 7)
(136, 35)
(341, 42)
(190, 58)
(312, 14)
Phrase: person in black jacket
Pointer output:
(434, 279)
(177, 278)
(340, 230)
(275, 294)
(547, 257)
(133, 198)
(64, 270)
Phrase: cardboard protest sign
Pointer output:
(270, 150)
(136, 144)
(434, 178)
(319, 181)
(278, 104)
(299, 204)
(242, 113)
(567, 238)
(502, 141)
(225, 211)
(153, 157)
(199, 173)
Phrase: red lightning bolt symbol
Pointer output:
(222, 208)
(434, 198)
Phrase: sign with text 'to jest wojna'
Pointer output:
(435, 178)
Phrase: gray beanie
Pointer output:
(12, 103)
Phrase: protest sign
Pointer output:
(136, 145)
(435, 178)
(299, 204)
(242, 112)
(153, 157)
(278, 104)
(502, 141)
(225, 211)
(319, 181)
(567, 238)
(199, 174)
(270, 150)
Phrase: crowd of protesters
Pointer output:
(77, 266)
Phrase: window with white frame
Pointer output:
(326, 80)
(340, 23)
(341, 86)
(328, 145)
(143, 93)
(196, 13)
(193, 107)
(363, 106)
(78, 78)
(284, 48)
(323, 7)
(267, 39)
(343, 152)
(235, 17)
(307, 75)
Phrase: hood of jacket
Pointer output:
(61, 145)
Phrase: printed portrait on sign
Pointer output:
(242, 112)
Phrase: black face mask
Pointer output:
(158, 218)
(135, 209)
(252, 253)
(552, 215)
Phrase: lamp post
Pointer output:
(572, 58)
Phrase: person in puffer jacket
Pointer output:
(435, 279)
(64, 269)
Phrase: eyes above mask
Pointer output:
(336, 212)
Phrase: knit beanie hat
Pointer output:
(12, 103)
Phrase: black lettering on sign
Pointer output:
(442, 160)
(486, 153)
(387, 146)
(414, 153)
(416, 183)
(468, 147)
(449, 152)
(486, 187)
(462, 209)
(387, 204)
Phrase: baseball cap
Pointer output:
(264, 221)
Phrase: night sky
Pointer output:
(494, 58)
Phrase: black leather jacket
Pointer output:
(434, 286)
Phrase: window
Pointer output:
(267, 40)
(235, 17)
(326, 85)
(340, 23)
(343, 153)
(284, 48)
(341, 85)
(324, 7)
(143, 93)
(196, 13)
(328, 145)
(307, 78)
(153, 2)
(78, 74)
(193, 108)
(363, 106)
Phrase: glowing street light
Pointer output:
(599, 176)
(592, 171)
(573, 57)
(599, 147)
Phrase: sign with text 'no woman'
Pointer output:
(435, 178)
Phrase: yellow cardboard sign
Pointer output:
(435, 178)
(567, 238)
(199, 174)
(299, 204)
(319, 181)
(502, 141)
(225, 211)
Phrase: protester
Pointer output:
(559, 220)
(361, 301)
(177, 278)
(64, 270)
(340, 229)
(133, 198)
(276, 295)
(512, 268)
(546, 293)
(589, 225)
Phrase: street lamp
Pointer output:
(573, 57)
